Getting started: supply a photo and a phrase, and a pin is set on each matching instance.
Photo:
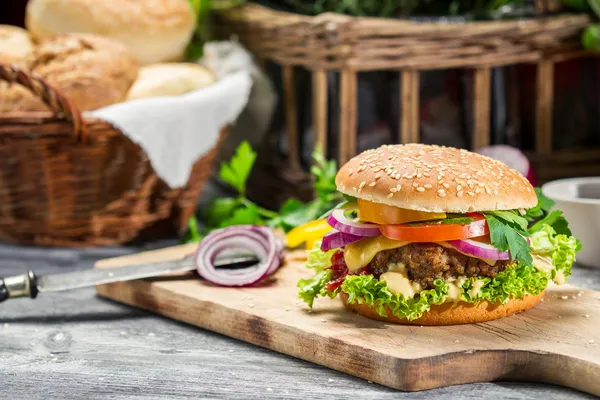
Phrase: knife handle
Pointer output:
(18, 286)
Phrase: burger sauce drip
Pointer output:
(340, 270)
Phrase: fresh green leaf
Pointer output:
(311, 288)
(555, 220)
(219, 210)
(238, 169)
(512, 218)
(249, 215)
(560, 248)
(324, 173)
(504, 237)
(543, 206)
(193, 235)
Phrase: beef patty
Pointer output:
(426, 262)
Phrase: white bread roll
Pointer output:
(15, 45)
(153, 30)
(169, 79)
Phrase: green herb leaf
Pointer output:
(238, 169)
(556, 221)
(543, 206)
(324, 173)
(504, 237)
(219, 210)
(193, 235)
(512, 218)
(249, 215)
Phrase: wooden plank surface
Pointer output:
(557, 342)
(76, 345)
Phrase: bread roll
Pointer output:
(91, 71)
(15, 45)
(169, 79)
(153, 30)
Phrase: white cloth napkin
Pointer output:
(176, 131)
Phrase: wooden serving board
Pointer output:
(556, 342)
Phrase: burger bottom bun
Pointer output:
(449, 314)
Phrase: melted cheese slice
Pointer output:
(359, 254)
(398, 283)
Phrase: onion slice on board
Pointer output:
(479, 249)
(336, 239)
(338, 220)
(259, 240)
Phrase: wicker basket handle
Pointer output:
(51, 96)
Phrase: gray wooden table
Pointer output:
(77, 345)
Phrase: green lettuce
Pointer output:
(560, 249)
(366, 289)
(314, 287)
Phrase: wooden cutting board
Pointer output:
(557, 342)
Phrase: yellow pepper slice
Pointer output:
(308, 233)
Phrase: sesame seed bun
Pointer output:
(451, 314)
(434, 179)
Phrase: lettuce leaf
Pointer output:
(311, 288)
(366, 289)
(560, 249)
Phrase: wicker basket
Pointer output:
(68, 180)
(351, 45)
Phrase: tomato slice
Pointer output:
(384, 214)
(437, 232)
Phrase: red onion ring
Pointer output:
(339, 221)
(479, 250)
(259, 240)
(336, 239)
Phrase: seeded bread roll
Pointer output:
(434, 179)
(153, 30)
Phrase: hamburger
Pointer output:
(434, 235)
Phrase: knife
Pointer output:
(29, 284)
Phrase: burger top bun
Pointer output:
(434, 179)
(153, 30)
(15, 45)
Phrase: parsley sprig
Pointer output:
(240, 210)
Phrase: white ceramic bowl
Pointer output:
(579, 198)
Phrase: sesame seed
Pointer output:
(415, 184)
(426, 174)
(441, 193)
(372, 184)
(471, 194)
(393, 190)
(428, 186)
(488, 191)
(377, 176)
(440, 177)
(591, 341)
(587, 315)
(459, 194)
(390, 195)
(459, 188)
(420, 189)
(362, 185)
(419, 175)
(446, 185)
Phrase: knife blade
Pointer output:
(29, 285)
